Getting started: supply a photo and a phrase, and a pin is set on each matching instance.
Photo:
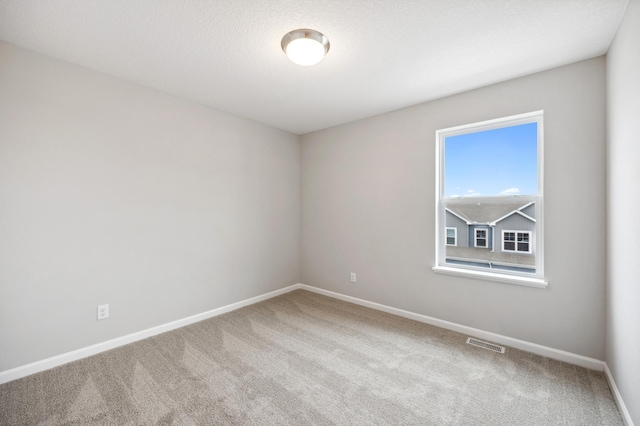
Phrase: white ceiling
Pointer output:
(385, 54)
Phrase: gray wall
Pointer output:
(368, 205)
(623, 226)
(112, 193)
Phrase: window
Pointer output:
(489, 200)
(508, 241)
(452, 236)
(514, 241)
(481, 238)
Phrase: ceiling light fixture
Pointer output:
(305, 47)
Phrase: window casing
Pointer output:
(527, 243)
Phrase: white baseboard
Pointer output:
(571, 358)
(626, 417)
(45, 364)
(591, 363)
(568, 357)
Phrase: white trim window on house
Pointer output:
(481, 238)
(452, 236)
(516, 241)
(493, 231)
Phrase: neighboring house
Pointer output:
(491, 234)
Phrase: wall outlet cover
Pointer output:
(103, 312)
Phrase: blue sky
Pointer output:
(493, 162)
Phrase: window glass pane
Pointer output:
(488, 189)
(497, 162)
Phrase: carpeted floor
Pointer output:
(305, 359)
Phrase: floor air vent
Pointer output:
(485, 345)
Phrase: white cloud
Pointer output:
(471, 193)
(510, 191)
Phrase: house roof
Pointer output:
(487, 212)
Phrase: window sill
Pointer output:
(490, 276)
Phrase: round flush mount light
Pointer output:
(305, 47)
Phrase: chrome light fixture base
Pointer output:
(304, 46)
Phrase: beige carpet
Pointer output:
(305, 359)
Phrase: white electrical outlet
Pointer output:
(353, 277)
(103, 312)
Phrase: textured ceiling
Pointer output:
(384, 55)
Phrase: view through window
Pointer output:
(490, 196)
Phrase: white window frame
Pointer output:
(530, 242)
(536, 279)
(486, 237)
(455, 236)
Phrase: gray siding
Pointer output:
(453, 221)
(530, 211)
(515, 222)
